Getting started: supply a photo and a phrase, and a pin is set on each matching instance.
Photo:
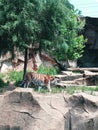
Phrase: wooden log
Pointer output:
(83, 69)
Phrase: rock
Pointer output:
(24, 109)
(6, 66)
(83, 113)
(69, 73)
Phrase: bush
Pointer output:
(2, 83)
(47, 70)
(15, 77)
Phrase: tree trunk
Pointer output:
(25, 62)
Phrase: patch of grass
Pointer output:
(2, 83)
(75, 89)
(54, 90)
(76, 71)
(47, 70)
(71, 90)
(1, 75)
(57, 90)
(15, 77)
(42, 90)
(96, 89)
(85, 88)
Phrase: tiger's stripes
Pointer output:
(31, 76)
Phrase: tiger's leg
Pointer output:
(22, 83)
(39, 83)
(39, 88)
(28, 80)
(26, 84)
(29, 83)
(48, 86)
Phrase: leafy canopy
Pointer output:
(19, 21)
(52, 23)
(61, 28)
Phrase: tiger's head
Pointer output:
(48, 78)
(35, 68)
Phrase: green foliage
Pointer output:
(19, 24)
(19, 21)
(61, 35)
(53, 23)
(2, 83)
(75, 49)
(76, 72)
(47, 70)
(71, 90)
(54, 90)
(43, 90)
(75, 89)
(58, 90)
(1, 75)
(96, 89)
(15, 76)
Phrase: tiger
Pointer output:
(38, 79)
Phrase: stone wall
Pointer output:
(90, 55)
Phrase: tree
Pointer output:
(19, 23)
(52, 23)
(61, 27)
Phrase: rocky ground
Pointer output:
(24, 109)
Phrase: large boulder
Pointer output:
(24, 109)
(83, 112)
